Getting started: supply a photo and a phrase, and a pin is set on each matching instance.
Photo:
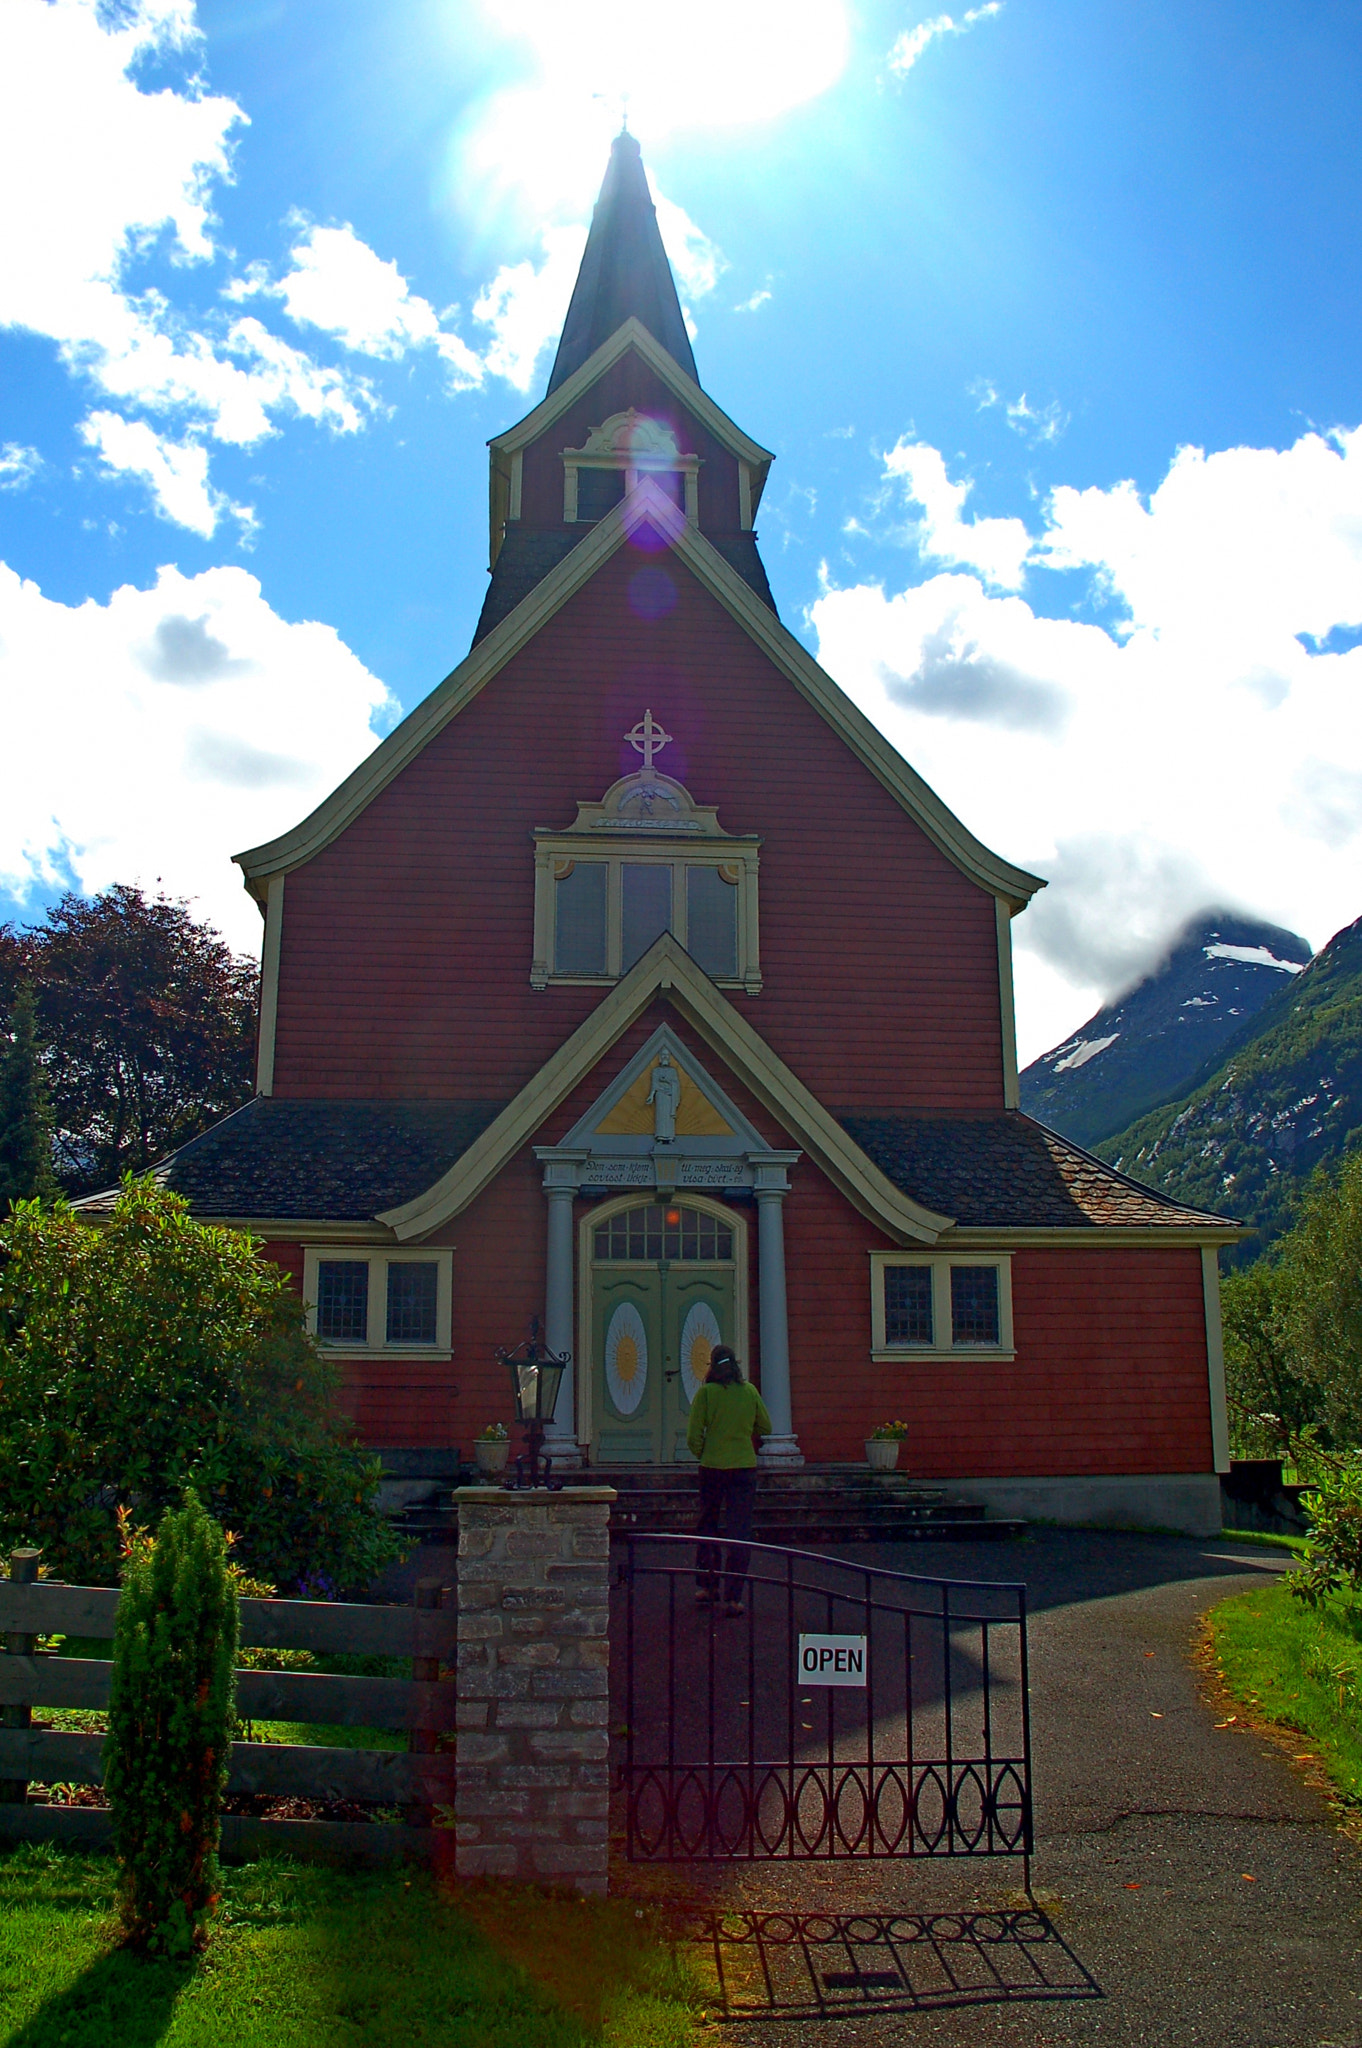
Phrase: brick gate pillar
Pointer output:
(533, 1686)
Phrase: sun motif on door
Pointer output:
(699, 1334)
(626, 1358)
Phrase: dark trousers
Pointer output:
(726, 1503)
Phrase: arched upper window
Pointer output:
(653, 1231)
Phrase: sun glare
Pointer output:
(728, 63)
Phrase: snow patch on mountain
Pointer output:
(1087, 1049)
(1254, 956)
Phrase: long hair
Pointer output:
(724, 1370)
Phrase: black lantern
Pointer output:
(536, 1375)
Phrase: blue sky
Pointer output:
(1049, 313)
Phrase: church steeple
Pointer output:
(624, 270)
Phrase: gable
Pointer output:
(667, 967)
(646, 508)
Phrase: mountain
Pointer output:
(1146, 1048)
(1287, 1099)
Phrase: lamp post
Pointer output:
(536, 1375)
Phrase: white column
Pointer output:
(560, 1436)
(782, 1446)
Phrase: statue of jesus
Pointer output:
(665, 1096)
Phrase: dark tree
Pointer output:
(25, 1117)
(147, 1026)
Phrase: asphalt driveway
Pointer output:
(1194, 1888)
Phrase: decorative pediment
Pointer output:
(633, 437)
(664, 1122)
(644, 1106)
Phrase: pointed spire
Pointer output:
(624, 270)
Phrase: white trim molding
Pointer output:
(939, 1265)
(1215, 1358)
(1004, 913)
(269, 985)
(666, 968)
(645, 505)
(378, 1258)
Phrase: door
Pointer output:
(627, 1347)
(663, 1296)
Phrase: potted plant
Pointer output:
(492, 1447)
(882, 1445)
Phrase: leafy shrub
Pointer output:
(154, 1353)
(1333, 1557)
(171, 1718)
(1272, 1403)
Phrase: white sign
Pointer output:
(832, 1660)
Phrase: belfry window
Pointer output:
(616, 456)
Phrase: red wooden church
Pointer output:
(637, 982)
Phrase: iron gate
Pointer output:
(846, 1712)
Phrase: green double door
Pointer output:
(653, 1328)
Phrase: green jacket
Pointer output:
(722, 1422)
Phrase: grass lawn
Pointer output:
(1301, 1669)
(304, 1957)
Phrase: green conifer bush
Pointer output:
(171, 1718)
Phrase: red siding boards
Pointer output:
(407, 941)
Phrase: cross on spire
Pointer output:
(648, 738)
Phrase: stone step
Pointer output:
(783, 1514)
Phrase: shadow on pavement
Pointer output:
(1061, 1566)
(789, 1965)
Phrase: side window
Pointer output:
(974, 1304)
(378, 1300)
(342, 1301)
(940, 1306)
(908, 1305)
(413, 1288)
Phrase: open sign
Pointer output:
(831, 1660)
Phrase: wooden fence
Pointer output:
(418, 1779)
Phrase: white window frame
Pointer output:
(940, 1263)
(552, 858)
(378, 1259)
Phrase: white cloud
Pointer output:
(18, 466)
(151, 738)
(752, 305)
(525, 304)
(342, 286)
(997, 548)
(1197, 753)
(1038, 424)
(910, 45)
(177, 473)
(108, 171)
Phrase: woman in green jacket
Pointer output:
(726, 1417)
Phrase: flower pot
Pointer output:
(881, 1453)
(492, 1453)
